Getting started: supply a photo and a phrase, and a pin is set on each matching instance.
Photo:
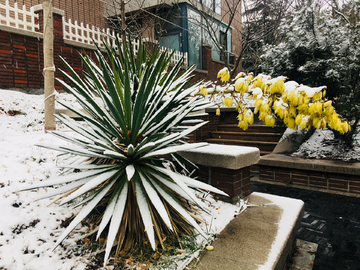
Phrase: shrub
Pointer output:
(132, 105)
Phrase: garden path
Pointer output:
(330, 220)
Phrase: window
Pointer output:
(214, 5)
(223, 42)
(217, 6)
(170, 41)
(194, 38)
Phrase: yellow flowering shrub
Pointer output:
(299, 106)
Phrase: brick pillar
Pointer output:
(206, 56)
(150, 44)
(233, 182)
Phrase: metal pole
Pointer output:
(49, 68)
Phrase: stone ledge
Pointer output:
(19, 31)
(320, 165)
(262, 237)
(223, 156)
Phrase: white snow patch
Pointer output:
(218, 149)
(29, 228)
(291, 208)
(291, 86)
(310, 91)
(322, 144)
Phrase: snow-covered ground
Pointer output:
(322, 144)
(29, 228)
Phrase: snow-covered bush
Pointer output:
(299, 106)
(321, 47)
(117, 171)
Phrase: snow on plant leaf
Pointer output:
(117, 216)
(96, 181)
(130, 171)
(177, 179)
(178, 207)
(173, 186)
(66, 179)
(84, 212)
(197, 184)
(156, 201)
(145, 212)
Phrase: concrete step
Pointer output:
(252, 128)
(261, 237)
(263, 146)
(247, 136)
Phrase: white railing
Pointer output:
(86, 34)
(25, 20)
(176, 56)
(89, 35)
(18, 18)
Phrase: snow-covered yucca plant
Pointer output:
(133, 105)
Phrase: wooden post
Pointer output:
(49, 68)
(122, 7)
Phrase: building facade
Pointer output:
(184, 26)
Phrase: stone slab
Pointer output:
(304, 255)
(291, 141)
(251, 240)
(223, 156)
(321, 165)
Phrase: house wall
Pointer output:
(87, 11)
(21, 57)
(236, 24)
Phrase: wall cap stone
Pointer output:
(39, 8)
(321, 165)
(18, 31)
(223, 156)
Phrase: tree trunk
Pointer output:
(49, 68)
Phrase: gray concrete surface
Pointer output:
(246, 241)
(321, 165)
(223, 156)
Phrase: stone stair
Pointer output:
(258, 135)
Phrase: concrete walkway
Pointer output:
(251, 239)
(330, 220)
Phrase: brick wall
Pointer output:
(86, 11)
(21, 58)
(212, 66)
(214, 120)
(21, 61)
(232, 182)
(346, 183)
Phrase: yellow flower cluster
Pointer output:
(245, 117)
(228, 102)
(241, 86)
(297, 105)
(224, 75)
(203, 91)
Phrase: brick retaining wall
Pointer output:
(322, 180)
(233, 182)
(227, 116)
